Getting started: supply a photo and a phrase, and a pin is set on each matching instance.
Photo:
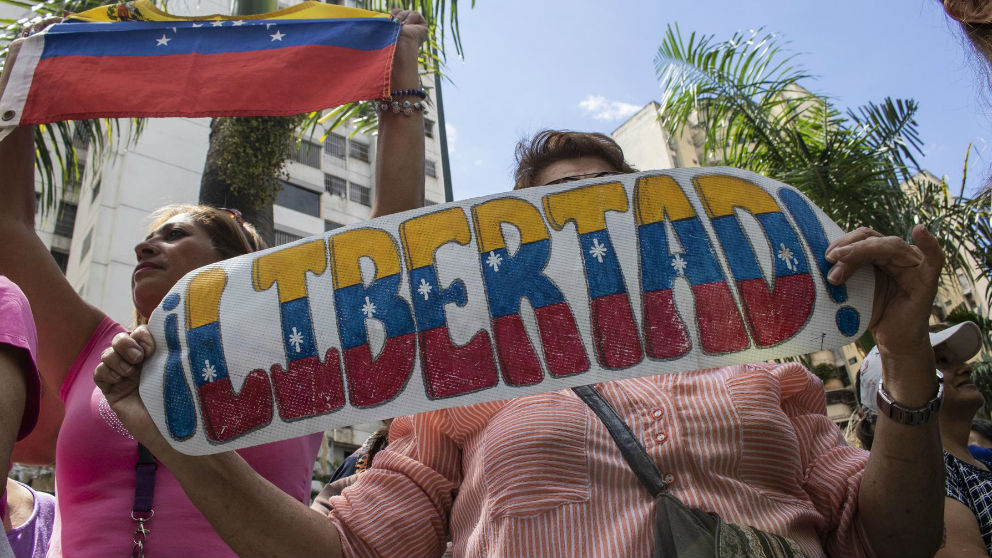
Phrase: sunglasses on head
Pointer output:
(234, 214)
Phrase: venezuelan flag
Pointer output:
(134, 60)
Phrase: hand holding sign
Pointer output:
(905, 285)
(118, 376)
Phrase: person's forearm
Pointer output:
(17, 162)
(253, 516)
(13, 393)
(902, 492)
(399, 164)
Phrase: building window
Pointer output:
(61, 259)
(430, 168)
(75, 181)
(428, 127)
(331, 225)
(87, 242)
(283, 237)
(336, 146)
(359, 150)
(852, 360)
(80, 137)
(299, 199)
(360, 194)
(335, 185)
(307, 153)
(66, 219)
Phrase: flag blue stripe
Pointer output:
(142, 38)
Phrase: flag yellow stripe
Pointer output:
(145, 10)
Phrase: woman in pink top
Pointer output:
(96, 455)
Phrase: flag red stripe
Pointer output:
(281, 82)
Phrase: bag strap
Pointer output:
(631, 449)
(144, 492)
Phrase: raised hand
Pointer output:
(905, 286)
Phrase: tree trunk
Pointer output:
(215, 191)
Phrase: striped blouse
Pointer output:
(540, 475)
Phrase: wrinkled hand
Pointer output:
(905, 280)
(905, 286)
(118, 376)
(39, 25)
(414, 24)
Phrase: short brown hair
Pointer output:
(551, 146)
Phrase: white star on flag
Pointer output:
(209, 373)
(197, 25)
(494, 260)
(786, 256)
(679, 264)
(267, 25)
(424, 288)
(174, 30)
(369, 308)
(217, 23)
(278, 36)
(164, 41)
(296, 339)
(238, 22)
(598, 250)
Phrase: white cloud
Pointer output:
(452, 135)
(601, 108)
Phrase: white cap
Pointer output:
(963, 340)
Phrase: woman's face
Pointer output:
(175, 248)
(960, 391)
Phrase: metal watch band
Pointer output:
(888, 407)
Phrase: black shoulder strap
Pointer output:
(632, 450)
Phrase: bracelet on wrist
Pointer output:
(405, 108)
(903, 415)
(409, 93)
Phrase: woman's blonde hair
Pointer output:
(229, 233)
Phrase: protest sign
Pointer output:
(496, 297)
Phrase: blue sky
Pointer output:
(585, 65)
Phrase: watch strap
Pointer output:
(887, 406)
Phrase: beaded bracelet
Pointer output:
(411, 92)
(406, 107)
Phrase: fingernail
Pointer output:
(134, 354)
(834, 275)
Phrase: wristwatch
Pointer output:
(888, 407)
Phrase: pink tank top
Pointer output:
(95, 476)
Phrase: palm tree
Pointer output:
(745, 97)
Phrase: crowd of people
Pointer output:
(539, 475)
